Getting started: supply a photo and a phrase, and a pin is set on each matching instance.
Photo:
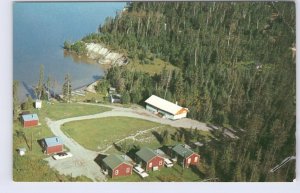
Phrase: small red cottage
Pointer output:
(149, 159)
(30, 120)
(52, 145)
(185, 155)
(117, 165)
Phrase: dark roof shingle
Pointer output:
(115, 160)
(182, 150)
(146, 154)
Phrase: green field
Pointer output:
(148, 139)
(58, 111)
(154, 67)
(96, 134)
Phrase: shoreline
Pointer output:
(85, 59)
(80, 88)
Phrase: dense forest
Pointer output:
(237, 69)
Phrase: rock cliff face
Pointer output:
(104, 56)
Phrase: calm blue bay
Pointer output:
(39, 31)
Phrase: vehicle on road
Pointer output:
(140, 171)
(168, 163)
(62, 155)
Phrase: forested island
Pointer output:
(235, 68)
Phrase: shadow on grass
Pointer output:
(117, 147)
(132, 152)
(157, 136)
(196, 170)
(167, 150)
(23, 135)
(40, 142)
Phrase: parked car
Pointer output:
(140, 171)
(168, 163)
(62, 155)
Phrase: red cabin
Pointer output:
(52, 145)
(185, 155)
(150, 159)
(30, 120)
(118, 165)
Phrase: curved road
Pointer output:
(82, 162)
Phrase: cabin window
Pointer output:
(189, 161)
(116, 172)
(127, 170)
(196, 159)
(150, 165)
(160, 162)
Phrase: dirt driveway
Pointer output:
(82, 162)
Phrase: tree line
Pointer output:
(237, 70)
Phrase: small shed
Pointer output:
(52, 145)
(115, 98)
(117, 165)
(38, 104)
(30, 120)
(112, 90)
(149, 159)
(185, 155)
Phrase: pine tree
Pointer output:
(67, 88)
(28, 104)
(125, 97)
(48, 85)
(39, 90)
(165, 137)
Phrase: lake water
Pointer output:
(39, 31)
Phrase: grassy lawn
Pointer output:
(155, 66)
(96, 134)
(173, 174)
(149, 139)
(58, 111)
(99, 97)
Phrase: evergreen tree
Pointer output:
(125, 98)
(48, 85)
(67, 88)
(28, 104)
(165, 137)
(243, 77)
(40, 89)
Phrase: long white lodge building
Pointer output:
(168, 109)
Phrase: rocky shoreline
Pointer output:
(97, 53)
(105, 56)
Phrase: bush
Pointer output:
(28, 104)
(125, 98)
(78, 47)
